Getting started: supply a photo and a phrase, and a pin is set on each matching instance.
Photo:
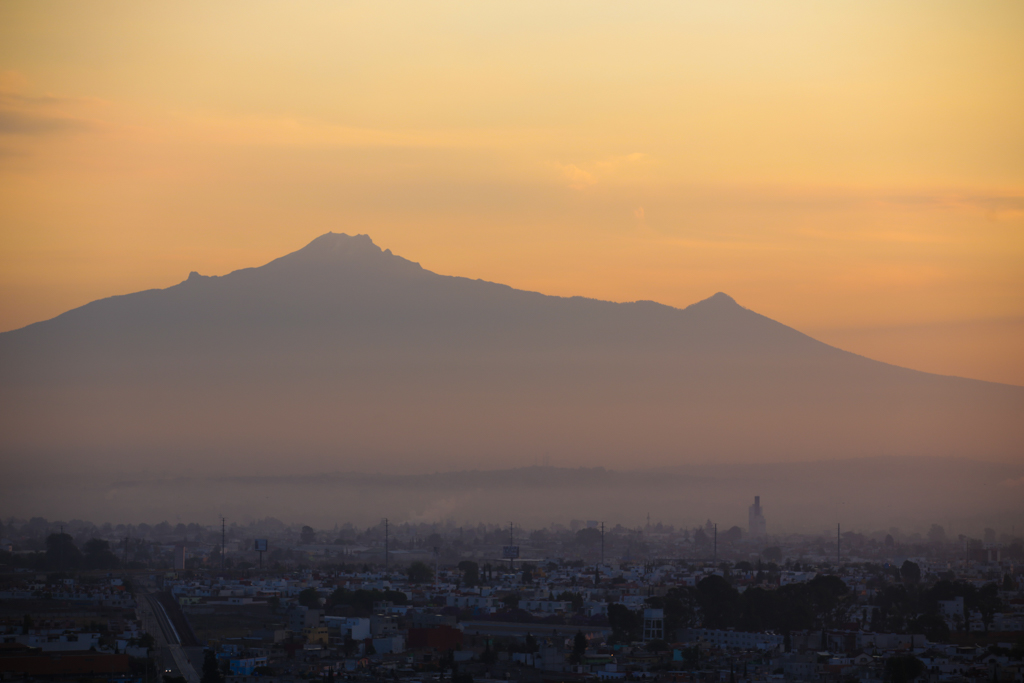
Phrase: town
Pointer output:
(584, 601)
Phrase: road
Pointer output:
(174, 661)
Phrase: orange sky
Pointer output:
(852, 169)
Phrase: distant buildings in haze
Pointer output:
(756, 525)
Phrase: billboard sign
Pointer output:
(510, 552)
(261, 545)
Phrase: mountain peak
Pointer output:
(721, 299)
(717, 302)
(341, 246)
(335, 252)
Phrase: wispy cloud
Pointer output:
(34, 115)
(996, 206)
(31, 123)
(583, 175)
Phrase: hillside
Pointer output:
(344, 356)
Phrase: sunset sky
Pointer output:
(851, 169)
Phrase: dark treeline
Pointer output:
(715, 603)
(62, 554)
(825, 602)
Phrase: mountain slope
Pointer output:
(341, 355)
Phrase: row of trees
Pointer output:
(715, 603)
(62, 554)
(912, 607)
(822, 603)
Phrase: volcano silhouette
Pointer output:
(344, 356)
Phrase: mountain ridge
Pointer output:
(344, 354)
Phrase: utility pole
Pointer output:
(714, 557)
(126, 552)
(62, 547)
(386, 546)
(511, 542)
(839, 545)
(602, 543)
(223, 541)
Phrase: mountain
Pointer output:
(341, 356)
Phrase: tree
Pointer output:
(361, 601)
(657, 646)
(902, 669)
(61, 553)
(718, 602)
(575, 598)
(760, 609)
(418, 572)
(678, 605)
(624, 622)
(489, 657)
(826, 594)
(988, 603)
(308, 535)
(98, 555)
(211, 670)
(531, 643)
(308, 597)
(910, 572)
(579, 646)
(470, 573)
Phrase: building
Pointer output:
(180, 555)
(756, 525)
(654, 620)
